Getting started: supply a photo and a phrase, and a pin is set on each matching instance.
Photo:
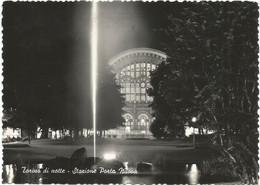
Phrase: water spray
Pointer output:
(94, 59)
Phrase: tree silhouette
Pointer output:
(110, 101)
(211, 73)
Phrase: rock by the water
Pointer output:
(144, 167)
(110, 164)
(78, 158)
(79, 154)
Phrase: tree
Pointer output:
(211, 73)
(110, 101)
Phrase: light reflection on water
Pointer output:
(193, 175)
(190, 174)
(40, 181)
(126, 165)
(40, 165)
(9, 173)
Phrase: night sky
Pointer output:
(122, 25)
(47, 45)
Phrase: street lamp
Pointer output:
(194, 120)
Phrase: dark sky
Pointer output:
(128, 25)
(122, 25)
(55, 37)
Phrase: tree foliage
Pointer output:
(211, 74)
(109, 101)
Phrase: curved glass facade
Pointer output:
(134, 80)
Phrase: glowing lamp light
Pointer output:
(194, 119)
(109, 156)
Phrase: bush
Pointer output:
(68, 138)
(25, 138)
(13, 139)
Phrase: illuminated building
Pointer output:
(132, 69)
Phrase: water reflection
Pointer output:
(178, 173)
(126, 165)
(193, 175)
(39, 166)
(16, 173)
(9, 173)
(40, 181)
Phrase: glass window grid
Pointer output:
(128, 121)
(143, 122)
(133, 92)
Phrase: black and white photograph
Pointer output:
(130, 92)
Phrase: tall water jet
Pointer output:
(94, 59)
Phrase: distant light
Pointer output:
(109, 156)
(188, 131)
(40, 165)
(194, 119)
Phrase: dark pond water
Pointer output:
(172, 173)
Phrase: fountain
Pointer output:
(94, 59)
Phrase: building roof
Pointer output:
(122, 59)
